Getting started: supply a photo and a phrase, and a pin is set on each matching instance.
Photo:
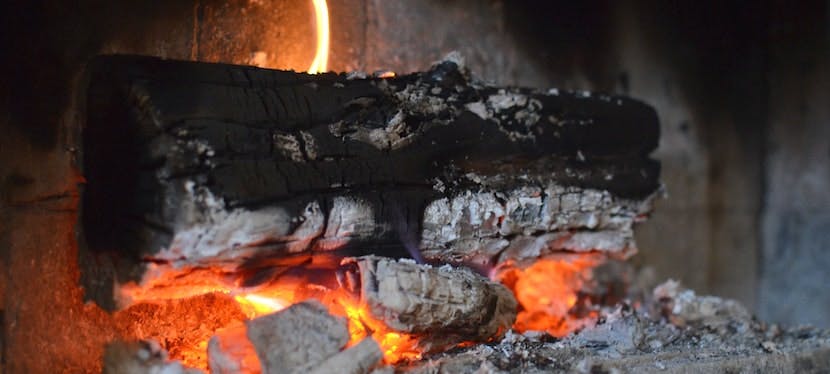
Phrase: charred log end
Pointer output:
(110, 158)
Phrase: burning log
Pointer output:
(302, 338)
(197, 163)
(443, 306)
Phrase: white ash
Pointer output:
(142, 357)
(504, 100)
(455, 57)
(629, 340)
(683, 307)
(513, 110)
(478, 108)
(359, 359)
(393, 136)
(298, 338)
(537, 220)
(309, 145)
(303, 338)
(348, 218)
(522, 222)
(356, 74)
(289, 147)
(213, 234)
(444, 305)
(414, 100)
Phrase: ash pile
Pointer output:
(672, 331)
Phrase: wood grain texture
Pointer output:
(209, 163)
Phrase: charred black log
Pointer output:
(195, 162)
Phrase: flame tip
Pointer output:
(321, 16)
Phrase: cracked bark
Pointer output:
(196, 163)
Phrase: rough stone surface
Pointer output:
(796, 221)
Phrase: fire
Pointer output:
(396, 346)
(547, 292)
(183, 308)
(321, 14)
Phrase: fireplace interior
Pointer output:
(418, 186)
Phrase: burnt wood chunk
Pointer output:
(196, 163)
(297, 338)
(443, 306)
(303, 338)
(360, 359)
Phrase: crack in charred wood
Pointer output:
(253, 148)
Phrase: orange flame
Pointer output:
(183, 308)
(165, 305)
(547, 292)
(321, 57)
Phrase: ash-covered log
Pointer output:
(443, 306)
(196, 163)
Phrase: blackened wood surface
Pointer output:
(253, 138)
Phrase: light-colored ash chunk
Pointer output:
(447, 305)
(359, 359)
(298, 338)
(141, 357)
(303, 338)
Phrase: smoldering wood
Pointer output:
(297, 338)
(443, 305)
(360, 359)
(209, 163)
(302, 338)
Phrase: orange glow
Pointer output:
(321, 57)
(183, 308)
(547, 292)
(396, 346)
(166, 305)
(257, 305)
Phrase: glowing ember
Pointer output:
(183, 308)
(167, 305)
(321, 13)
(396, 346)
(547, 291)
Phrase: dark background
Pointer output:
(742, 90)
